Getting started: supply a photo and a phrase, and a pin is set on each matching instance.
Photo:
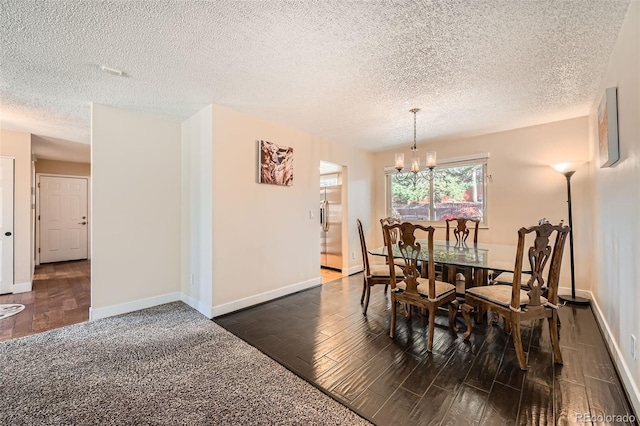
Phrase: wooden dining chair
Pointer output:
(373, 274)
(460, 232)
(394, 234)
(514, 303)
(413, 290)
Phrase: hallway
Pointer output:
(60, 296)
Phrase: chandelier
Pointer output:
(415, 175)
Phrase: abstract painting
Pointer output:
(608, 128)
(275, 164)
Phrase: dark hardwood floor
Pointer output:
(60, 296)
(321, 335)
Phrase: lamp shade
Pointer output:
(431, 159)
(569, 166)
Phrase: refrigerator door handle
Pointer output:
(323, 216)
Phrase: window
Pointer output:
(329, 180)
(458, 191)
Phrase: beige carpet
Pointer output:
(164, 365)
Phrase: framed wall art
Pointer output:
(608, 128)
(275, 164)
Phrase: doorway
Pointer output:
(62, 218)
(331, 221)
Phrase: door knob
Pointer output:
(82, 223)
(8, 234)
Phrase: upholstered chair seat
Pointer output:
(501, 294)
(383, 271)
(507, 278)
(442, 289)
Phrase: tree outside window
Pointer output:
(458, 192)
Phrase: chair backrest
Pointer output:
(547, 246)
(461, 231)
(363, 247)
(394, 233)
(410, 250)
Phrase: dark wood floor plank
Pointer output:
(502, 406)
(397, 408)
(537, 404)
(571, 369)
(432, 407)
(597, 363)
(397, 381)
(453, 374)
(485, 365)
(509, 372)
(369, 402)
(570, 402)
(423, 375)
(367, 374)
(605, 399)
(541, 368)
(467, 407)
(395, 374)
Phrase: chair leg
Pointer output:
(517, 343)
(507, 325)
(555, 341)
(466, 314)
(366, 300)
(392, 327)
(432, 327)
(364, 290)
(386, 288)
(453, 312)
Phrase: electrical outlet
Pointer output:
(634, 352)
(311, 215)
(353, 254)
(193, 280)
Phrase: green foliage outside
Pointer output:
(451, 182)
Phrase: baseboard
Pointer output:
(632, 388)
(205, 310)
(136, 305)
(263, 297)
(22, 287)
(354, 270)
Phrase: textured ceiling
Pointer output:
(346, 70)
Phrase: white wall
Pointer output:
(616, 206)
(264, 243)
(197, 210)
(136, 196)
(18, 145)
(523, 188)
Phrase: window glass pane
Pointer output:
(458, 192)
(409, 202)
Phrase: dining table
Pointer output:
(482, 258)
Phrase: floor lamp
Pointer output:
(568, 169)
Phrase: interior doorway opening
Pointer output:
(331, 221)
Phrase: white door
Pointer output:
(63, 219)
(6, 225)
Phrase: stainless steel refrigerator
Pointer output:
(331, 227)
